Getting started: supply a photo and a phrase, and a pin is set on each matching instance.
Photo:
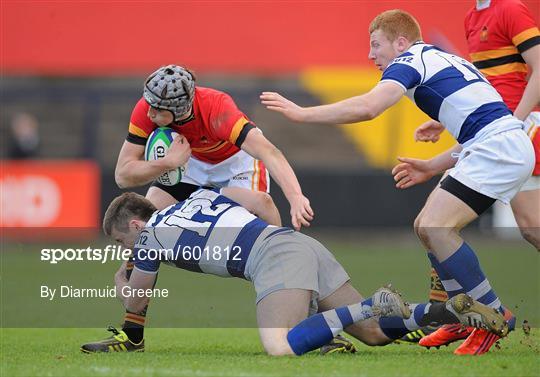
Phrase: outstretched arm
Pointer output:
(351, 110)
(259, 147)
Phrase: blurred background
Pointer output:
(72, 72)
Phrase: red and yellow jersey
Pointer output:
(496, 38)
(213, 133)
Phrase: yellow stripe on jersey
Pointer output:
(135, 130)
(524, 35)
(533, 131)
(255, 176)
(505, 68)
(493, 54)
(215, 147)
(237, 128)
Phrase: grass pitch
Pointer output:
(236, 351)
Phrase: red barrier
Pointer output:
(122, 38)
(55, 194)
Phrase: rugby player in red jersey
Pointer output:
(504, 44)
(224, 148)
(218, 144)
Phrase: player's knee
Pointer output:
(424, 233)
(430, 230)
(376, 338)
(265, 199)
(278, 349)
(531, 235)
(416, 225)
(371, 336)
(428, 235)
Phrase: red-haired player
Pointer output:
(504, 44)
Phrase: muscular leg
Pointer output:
(526, 208)
(285, 328)
(367, 331)
(438, 229)
(437, 291)
(279, 312)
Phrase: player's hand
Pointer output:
(301, 212)
(276, 102)
(178, 153)
(411, 171)
(429, 131)
(120, 275)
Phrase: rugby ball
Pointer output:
(157, 145)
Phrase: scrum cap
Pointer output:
(170, 88)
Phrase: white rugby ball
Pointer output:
(157, 145)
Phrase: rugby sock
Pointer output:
(464, 268)
(435, 314)
(395, 327)
(436, 289)
(319, 329)
(443, 286)
(134, 322)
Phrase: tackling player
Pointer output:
(503, 41)
(492, 160)
(290, 272)
(223, 148)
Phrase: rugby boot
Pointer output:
(475, 314)
(118, 342)
(339, 344)
(481, 340)
(445, 335)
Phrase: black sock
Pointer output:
(135, 334)
(438, 315)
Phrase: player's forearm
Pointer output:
(445, 160)
(269, 212)
(282, 173)
(351, 110)
(139, 173)
(132, 303)
(257, 202)
(531, 96)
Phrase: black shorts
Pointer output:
(181, 191)
(477, 201)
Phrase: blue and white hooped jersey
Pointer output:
(206, 233)
(449, 89)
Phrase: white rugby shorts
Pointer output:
(532, 124)
(497, 165)
(239, 170)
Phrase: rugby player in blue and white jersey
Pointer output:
(492, 160)
(293, 275)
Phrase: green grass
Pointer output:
(215, 331)
(236, 352)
